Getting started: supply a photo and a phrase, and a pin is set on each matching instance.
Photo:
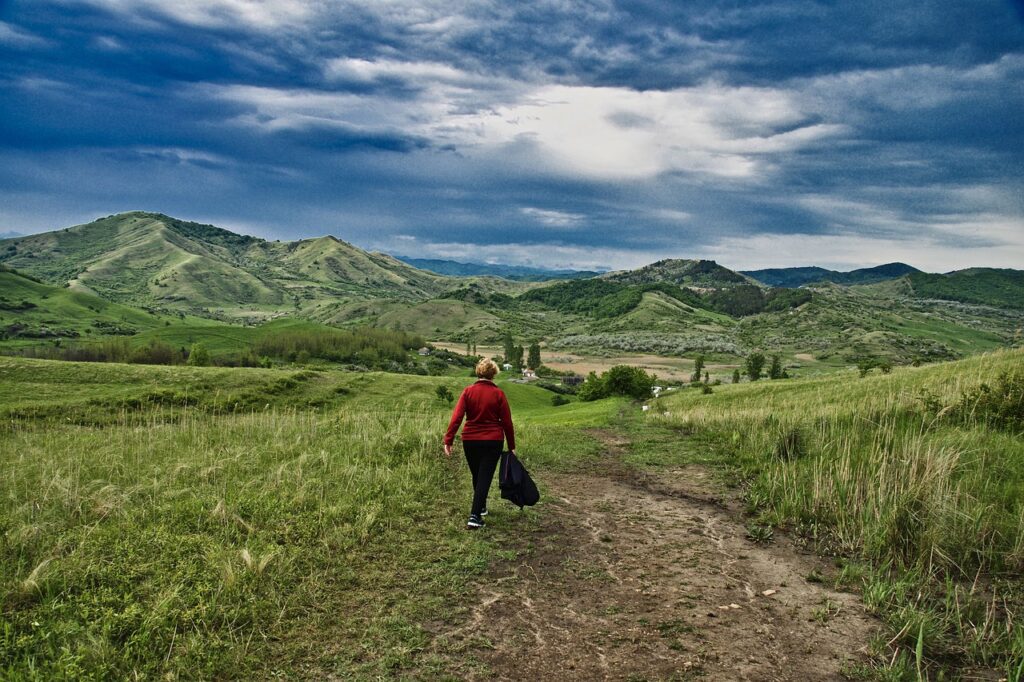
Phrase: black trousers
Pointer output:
(482, 457)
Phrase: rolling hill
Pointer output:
(689, 273)
(796, 277)
(31, 311)
(135, 272)
(1002, 288)
(149, 259)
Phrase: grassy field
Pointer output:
(916, 479)
(188, 522)
(182, 522)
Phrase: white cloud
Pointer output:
(670, 215)
(260, 14)
(962, 222)
(109, 44)
(553, 218)
(904, 89)
(617, 133)
(368, 71)
(850, 251)
(545, 255)
(603, 133)
(14, 36)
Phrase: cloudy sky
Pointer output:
(563, 133)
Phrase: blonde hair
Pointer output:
(486, 368)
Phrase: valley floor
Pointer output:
(634, 575)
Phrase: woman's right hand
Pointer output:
(447, 450)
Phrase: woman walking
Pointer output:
(488, 422)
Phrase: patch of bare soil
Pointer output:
(652, 576)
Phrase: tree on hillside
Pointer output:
(518, 358)
(698, 368)
(198, 356)
(776, 371)
(628, 381)
(736, 376)
(755, 365)
(509, 345)
(533, 359)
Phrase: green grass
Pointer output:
(887, 470)
(271, 522)
(40, 308)
(189, 522)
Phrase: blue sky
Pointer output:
(561, 133)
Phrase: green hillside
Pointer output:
(32, 311)
(1003, 288)
(695, 273)
(796, 277)
(150, 262)
(149, 259)
(843, 324)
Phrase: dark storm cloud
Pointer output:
(568, 132)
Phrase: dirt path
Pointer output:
(642, 576)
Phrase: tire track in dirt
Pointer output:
(636, 575)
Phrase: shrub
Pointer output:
(198, 356)
(557, 400)
(622, 380)
(444, 394)
(629, 381)
(594, 388)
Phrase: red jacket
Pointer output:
(485, 408)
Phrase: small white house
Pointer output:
(529, 374)
(507, 366)
(424, 351)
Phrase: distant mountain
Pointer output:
(10, 235)
(150, 259)
(689, 273)
(1002, 288)
(520, 273)
(796, 277)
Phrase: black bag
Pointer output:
(516, 485)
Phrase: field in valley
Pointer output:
(190, 522)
